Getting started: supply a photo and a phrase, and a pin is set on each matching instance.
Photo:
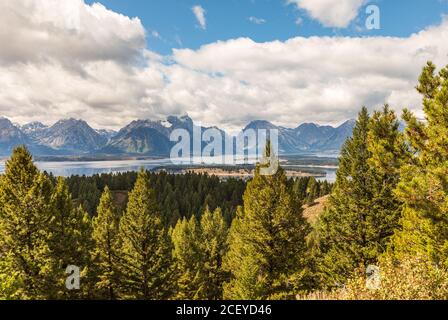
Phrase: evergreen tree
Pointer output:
(313, 190)
(25, 217)
(105, 234)
(266, 255)
(70, 241)
(424, 184)
(82, 255)
(188, 257)
(199, 249)
(214, 232)
(145, 254)
(363, 211)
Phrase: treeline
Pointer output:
(182, 195)
(308, 189)
(178, 195)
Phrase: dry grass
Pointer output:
(312, 212)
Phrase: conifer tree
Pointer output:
(25, 216)
(82, 255)
(70, 241)
(198, 252)
(266, 256)
(214, 232)
(424, 184)
(313, 190)
(62, 237)
(363, 211)
(188, 257)
(145, 253)
(105, 235)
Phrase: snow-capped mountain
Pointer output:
(152, 138)
(72, 136)
(33, 127)
(308, 137)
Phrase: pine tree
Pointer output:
(82, 255)
(424, 184)
(145, 254)
(266, 255)
(363, 211)
(105, 234)
(70, 241)
(62, 239)
(214, 232)
(188, 257)
(25, 216)
(313, 190)
(198, 252)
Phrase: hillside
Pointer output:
(312, 212)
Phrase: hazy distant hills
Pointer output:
(152, 138)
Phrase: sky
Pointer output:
(224, 63)
(172, 24)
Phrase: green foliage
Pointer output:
(179, 196)
(188, 258)
(214, 233)
(266, 255)
(25, 216)
(198, 252)
(308, 189)
(105, 255)
(363, 211)
(70, 240)
(145, 252)
(424, 184)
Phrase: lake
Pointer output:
(89, 168)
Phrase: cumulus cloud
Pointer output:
(331, 13)
(99, 70)
(69, 31)
(199, 13)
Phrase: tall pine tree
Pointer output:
(214, 232)
(267, 247)
(25, 233)
(199, 249)
(188, 258)
(363, 210)
(424, 184)
(105, 235)
(145, 253)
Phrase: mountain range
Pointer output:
(152, 138)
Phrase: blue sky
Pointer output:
(176, 26)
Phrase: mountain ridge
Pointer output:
(152, 138)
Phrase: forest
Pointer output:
(164, 236)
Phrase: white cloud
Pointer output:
(100, 71)
(199, 13)
(66, 30)
(257, 20)
(331, 13)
